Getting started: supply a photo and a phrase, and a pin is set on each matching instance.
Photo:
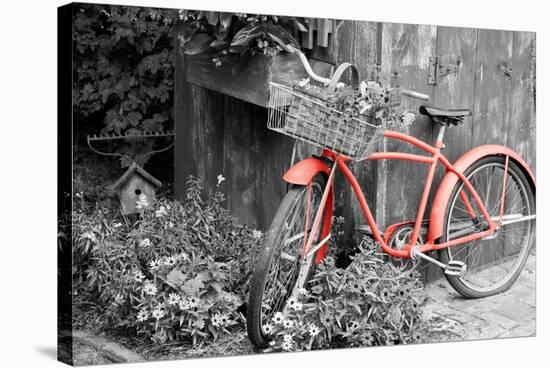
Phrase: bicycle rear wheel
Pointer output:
(280, 269)
(495, 262)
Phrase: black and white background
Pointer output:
(29, 149)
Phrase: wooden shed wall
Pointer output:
(217, 134)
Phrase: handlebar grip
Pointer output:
(414, 94)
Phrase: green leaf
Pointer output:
(198, 44)
(243, 39)
(219, 44)
(212, 17)
(134, 118)
(298, 24)
(278, 34)
(185, 30)
(225, 20)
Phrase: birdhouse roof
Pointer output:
(135, 168)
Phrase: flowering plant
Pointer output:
(373, 99)
(368, 303)
(178, 274)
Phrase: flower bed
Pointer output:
(179, 276)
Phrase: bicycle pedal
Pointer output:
(455, 268)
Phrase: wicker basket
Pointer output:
(304, 115)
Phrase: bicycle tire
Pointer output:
(267, 256)
(480, 288)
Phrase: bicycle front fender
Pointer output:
(304, 171)
(443, 194)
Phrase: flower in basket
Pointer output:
(371, 99)
(222, 34)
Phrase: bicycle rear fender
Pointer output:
(303, 173)
(443, 194)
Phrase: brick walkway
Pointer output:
(511, 314)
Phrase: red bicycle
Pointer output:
(482, 219)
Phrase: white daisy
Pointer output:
(224, 319)
(268, 328)
(302, 291)
(291, 302)
(193, 302)
(158, 313)
(149, 288)
(288, 338)
(155, 265)
(221, 179)
(143, 315)
(278, 318)
(215, 320)
(287, 323)
(313, 330)
(199, 324)
(170, 261)
(139, 276)
(173, 299)
(298, 306)
(184, 305)
(286, 345)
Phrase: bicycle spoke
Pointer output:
(491, 260)
(285, 263)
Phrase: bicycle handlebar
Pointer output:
(326, 81)
(310, 71)
(414, 94)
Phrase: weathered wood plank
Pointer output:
(492, 97)
(199, 132)
(455, 91)
(253, 164)
(521, 128)
(247, 79)
(492, 93)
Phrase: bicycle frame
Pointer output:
(432, 160)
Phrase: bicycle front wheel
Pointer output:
(281, 270)
(495, 262)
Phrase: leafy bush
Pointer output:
(180, 272)
(123, 70)
(369, 303)
(221, 34)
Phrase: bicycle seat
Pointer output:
(442, 116)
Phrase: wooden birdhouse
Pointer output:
(135, 182)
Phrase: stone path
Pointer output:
(510, 314)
